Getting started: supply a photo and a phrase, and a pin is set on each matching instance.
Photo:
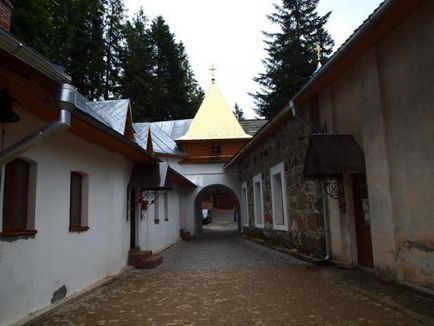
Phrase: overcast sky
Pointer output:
(227, 34)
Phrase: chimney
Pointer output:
(6, 8)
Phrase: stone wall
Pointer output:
(286, 144)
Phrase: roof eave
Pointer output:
(14, 47)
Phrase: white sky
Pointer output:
(228, 34)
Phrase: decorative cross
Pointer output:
(213, 69)
(318, 50)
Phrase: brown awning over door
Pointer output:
(152, 176)
(330, 156)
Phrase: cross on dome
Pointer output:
(213, 69)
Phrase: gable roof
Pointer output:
(113, 112)
(162, 143)
(214, 120)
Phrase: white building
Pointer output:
(66, 171)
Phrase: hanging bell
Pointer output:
(7, 113)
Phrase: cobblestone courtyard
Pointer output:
(220, 278)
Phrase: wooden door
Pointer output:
(363, 221)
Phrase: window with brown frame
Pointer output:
(76, 219)
(215, 149)
(16, 199)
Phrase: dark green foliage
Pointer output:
(69, 33)
(108, 57)
(114, 50)
(291, 53)
(31, 22)
(87, 48)
(138, 62)
(171, 90)
(238, 112)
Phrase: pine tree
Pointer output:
(31, 23)
(195, 93)
(87, 48)
(158, 77)
(137, 63)
(114, 22)
(238, 112)
(62, 17)
(291, 53)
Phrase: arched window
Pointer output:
(16, 199)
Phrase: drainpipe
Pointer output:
(67, 103)
(325, 207)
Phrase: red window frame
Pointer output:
(10, 225)
(74, 227)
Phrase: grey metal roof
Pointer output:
(174, 128)
(113, 111)
(251, 127)
(161, 141)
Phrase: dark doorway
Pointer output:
(363, 221)
(132, 218)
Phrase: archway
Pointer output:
(216, 197)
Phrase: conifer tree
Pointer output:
(31, 23)
(87, 48)
(114, 36)
(238, 112)
(137, 64)
(158, 77)
(291, 53)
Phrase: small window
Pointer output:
(16, 199)
(166, 206)
(258, 201)
(77, 208)
(216, 149)
(244, 205)
(278, 197)
(156, 209)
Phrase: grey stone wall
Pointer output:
(288, 144)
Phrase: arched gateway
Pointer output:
(198, 150)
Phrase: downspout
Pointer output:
(325, 207)
(67, 103)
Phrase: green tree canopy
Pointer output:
(291, 53)
(109, 57)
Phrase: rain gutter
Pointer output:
(16, 48)
(69, 100)
(67, 103)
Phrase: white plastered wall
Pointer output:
(31, 270)
(385, 100)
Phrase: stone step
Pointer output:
(150, 262)
(137, 256)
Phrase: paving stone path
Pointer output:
(220, 278)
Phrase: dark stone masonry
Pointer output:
(287, 144)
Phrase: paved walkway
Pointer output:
(220, 278)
